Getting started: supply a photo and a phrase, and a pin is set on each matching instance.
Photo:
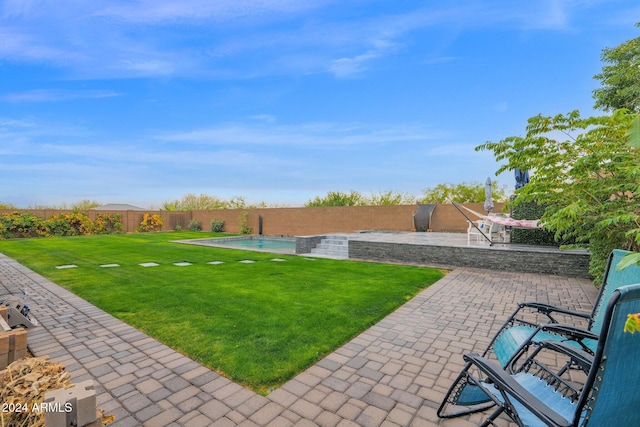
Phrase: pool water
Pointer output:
(256, 243)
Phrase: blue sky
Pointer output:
(143, 101)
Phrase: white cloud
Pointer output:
(57, 95)
(323, 135)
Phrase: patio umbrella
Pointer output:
(522, 177)
(488, 203)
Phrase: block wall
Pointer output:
(298, 221)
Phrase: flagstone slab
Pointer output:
(149, 264)
(109, 265)
(62, 267)
(247, 261)
(182, 264)
(278, 260)
(216, 262)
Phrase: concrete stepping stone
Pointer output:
(109, 265)
(61, 267)
(278, 259)
(182, 264)
(149, 264)
(216, 262)
(247, 261)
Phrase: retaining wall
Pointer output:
(551, 261)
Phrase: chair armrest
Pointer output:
(582, 358)
(570, 331)
(548, 308)
(506, 384)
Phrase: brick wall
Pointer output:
(299, 221)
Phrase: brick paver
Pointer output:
(393, 374)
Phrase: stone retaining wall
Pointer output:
(552, 261)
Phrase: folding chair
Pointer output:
(519, 333)
(534, 396)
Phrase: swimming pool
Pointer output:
(281, 245)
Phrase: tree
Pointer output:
(336, 198)
(621, 78)
(588, 181)
(354, 198)
(390, 198)
(191, 202)
(204, 202)
(84, 205)
(462, 193)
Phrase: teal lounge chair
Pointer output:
(533, 396)
(518, 334)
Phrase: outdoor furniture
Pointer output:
(535, 395)
(523, 330)
(490, 230)
(422, 217)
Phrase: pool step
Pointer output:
(332, 247)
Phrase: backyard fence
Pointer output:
(294, 221)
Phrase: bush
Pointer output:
(107, 224)
(57, 225)
(217, 225)
(150, 223)
(21, 224)
(244, 227)
(195, 225)
(79, 224)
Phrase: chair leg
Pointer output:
(490, 420)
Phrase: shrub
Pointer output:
(217, 225)
(79, 224)
(244, 227)
(57, 225)
(72, 224)
(21, 224)
(107, 224)
(195, 225)
(150, 223)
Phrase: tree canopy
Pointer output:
(588, 179)
(192, 202)
(463, 193)
(620, 78)
(355, 198)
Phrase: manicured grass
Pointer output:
(259, 324)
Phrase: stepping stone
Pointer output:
(309, 259)
(182, 264)
(247, 261)
(110, 265)
(278, 260)
(61, 267)
(148, 264)
(216, 262)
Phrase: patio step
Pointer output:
(332, 247)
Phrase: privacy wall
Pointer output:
(298, 221)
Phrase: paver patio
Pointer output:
(393, 374)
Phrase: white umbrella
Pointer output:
(488, 203)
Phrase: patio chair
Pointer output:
(535, 396)
(519, 333)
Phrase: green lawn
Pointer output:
(259, 324)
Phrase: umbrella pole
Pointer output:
(472, 223)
